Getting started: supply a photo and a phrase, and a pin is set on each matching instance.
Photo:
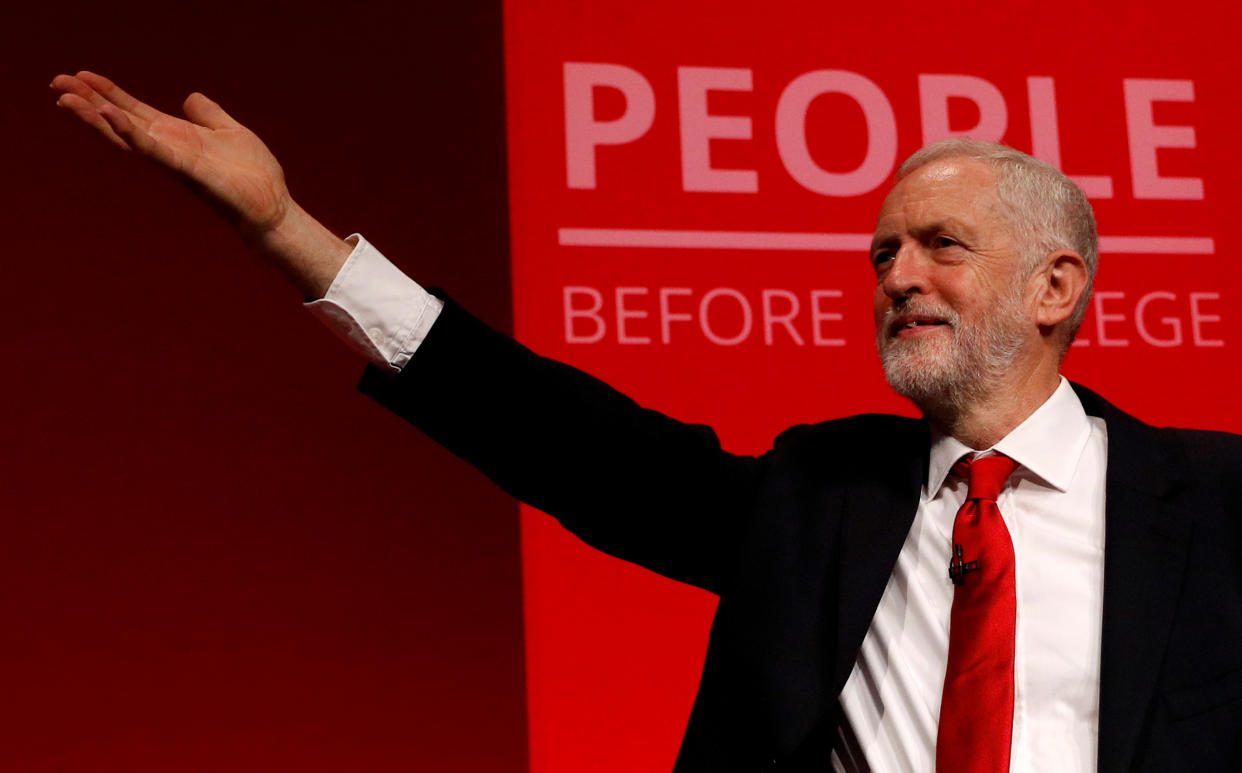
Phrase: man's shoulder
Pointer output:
(1095, 405)
(1204, 440)
(1210, 452)
(1202, 454)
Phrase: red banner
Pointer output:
(693, 193)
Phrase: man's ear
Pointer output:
(1062, 281)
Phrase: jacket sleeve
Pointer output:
(628, 480)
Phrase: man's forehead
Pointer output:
(954, 190)
(947, 178)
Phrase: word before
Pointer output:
(722, 315)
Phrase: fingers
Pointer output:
(70, 84)
(88, 113)
(83, 96)
(204, 112)
(114, 94)
(123, 120)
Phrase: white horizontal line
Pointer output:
(720, 240)
(1158, 245)
(831, 242)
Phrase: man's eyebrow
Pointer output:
(924, 231)
(880, 241)
(950, 224)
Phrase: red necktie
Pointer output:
(976, 709)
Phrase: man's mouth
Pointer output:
(908, 325)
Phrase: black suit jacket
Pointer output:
(799, 544)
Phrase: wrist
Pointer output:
(303, 249)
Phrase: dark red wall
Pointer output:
(215, 554)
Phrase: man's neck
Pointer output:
(983, 422)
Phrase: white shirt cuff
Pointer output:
(375, 308)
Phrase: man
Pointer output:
(1028, 579)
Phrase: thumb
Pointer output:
(202, 111)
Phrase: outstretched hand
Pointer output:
(223, 161)
(214, 153)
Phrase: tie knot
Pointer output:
(985, 475)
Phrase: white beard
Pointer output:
(943, 374)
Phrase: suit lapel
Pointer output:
(1145, 547)
(879, 507)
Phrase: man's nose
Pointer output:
(906, 275)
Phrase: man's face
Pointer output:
(949, 306)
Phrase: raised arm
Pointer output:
(628, 480)
(224, 162)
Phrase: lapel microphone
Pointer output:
(958, 568)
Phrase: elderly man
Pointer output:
(1027, 579)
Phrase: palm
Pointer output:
(226, 161)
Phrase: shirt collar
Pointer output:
(1048, 443)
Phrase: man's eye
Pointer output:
(946, 241)
(881, 258)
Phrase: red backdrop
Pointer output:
(692, 195)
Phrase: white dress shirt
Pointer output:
(1053, 507)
